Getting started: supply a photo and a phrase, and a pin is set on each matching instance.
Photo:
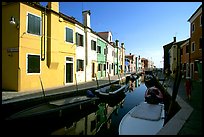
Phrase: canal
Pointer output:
(106, 118)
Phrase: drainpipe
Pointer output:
(43, 48)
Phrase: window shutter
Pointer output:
(77, 43)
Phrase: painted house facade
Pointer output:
(49, 46)
(196, 44)
(109, 51)
(122, 53)
(80, 53)
(101, 58)
(91, 48)
(36, 50)
(175, 56)
(185, 58)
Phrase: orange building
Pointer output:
(196, 44)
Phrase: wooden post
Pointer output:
(76, 83)
(109, 78)
(97, 81)
(42, 88)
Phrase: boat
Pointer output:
(110, 91)
(153, 95)
(51, 113)
(143, 119)
(56, 108)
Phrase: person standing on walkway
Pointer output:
(188, 86)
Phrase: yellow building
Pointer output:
(37, 43)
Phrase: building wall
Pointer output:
(10, 39)
(110, 60)
(173, 59)
(53, 54)
(195, 38)
(91, 56)
(101, 58)
(80, 54)
(185, 59)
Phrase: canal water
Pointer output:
(106, 118)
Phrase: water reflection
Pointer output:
(106, 118)
(92, 123)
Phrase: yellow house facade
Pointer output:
(37, 44)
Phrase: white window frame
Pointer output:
(27, 24)
(27, 64)
(193, 27)
(66, 61)
(65, 33)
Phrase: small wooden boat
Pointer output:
(143, 119)
(55, 109)
(153, 95)
(113, 90)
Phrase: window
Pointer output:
(113, 53)
(104, 66)
(187, 48)
(99, 67)
(93, 45)
(193, 47)
(193, 27)
(80, 65)
(196, 66)
(184, 66)
(69, 35)
(112, 65)
(106, 51)
(98, 49)
(107, 64)
(79, 40)
(181, 51)
(200, 43)
(34, 24)
(33, 63)
(110, 38)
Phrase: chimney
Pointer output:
(122, 45)
(174, 39)
(117, 42)
(86, 18)
(54, 6)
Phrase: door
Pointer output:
(93, 70)
(69, 70)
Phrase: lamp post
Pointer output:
(14, 21)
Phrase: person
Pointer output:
(188, 86)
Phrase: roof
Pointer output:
(195, 12)
(103, 34)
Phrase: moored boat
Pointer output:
(53, 108)
(143, 119)
(113, 90)
(153, 95)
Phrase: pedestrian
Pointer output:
(188, 86)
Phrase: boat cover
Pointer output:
(147, 111)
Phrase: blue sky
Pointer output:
(144, 27)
